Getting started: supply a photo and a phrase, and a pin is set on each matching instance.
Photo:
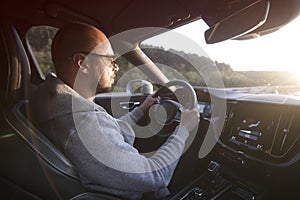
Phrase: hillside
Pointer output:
(186, 64)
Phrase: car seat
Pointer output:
(31, 167)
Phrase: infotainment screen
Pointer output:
(252, 127)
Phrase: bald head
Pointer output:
(73, 38)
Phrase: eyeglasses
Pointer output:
(107, 62)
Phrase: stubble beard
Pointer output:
(100, 89)
(104, 89)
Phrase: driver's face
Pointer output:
(106, 79)
(105, 69)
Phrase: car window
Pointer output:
(176, 64)
(40, 39)
(127, 72)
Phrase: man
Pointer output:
(100, 146)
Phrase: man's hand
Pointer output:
(190, 118)
(148, 102)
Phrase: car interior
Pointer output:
(265, 167)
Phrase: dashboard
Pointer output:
(263, 128)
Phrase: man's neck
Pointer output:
(85, 93)
(81, 89)
(91, 98)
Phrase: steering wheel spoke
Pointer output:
(167, 114)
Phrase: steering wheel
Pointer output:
(166, 115)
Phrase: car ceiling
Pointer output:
(115, 16)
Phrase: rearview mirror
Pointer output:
(241, 22)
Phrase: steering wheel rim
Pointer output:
(191, 95)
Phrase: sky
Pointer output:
(278, 51)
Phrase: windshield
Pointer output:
(269, 63)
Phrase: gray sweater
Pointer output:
(100, 146)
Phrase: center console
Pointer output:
(263, 133)
(213, 185)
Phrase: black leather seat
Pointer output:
(31, 167)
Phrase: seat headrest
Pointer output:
(14, 66)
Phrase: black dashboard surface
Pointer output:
(262, 128)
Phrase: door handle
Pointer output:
(129, 105)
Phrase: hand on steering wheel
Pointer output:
(149, 101)
(190, 118)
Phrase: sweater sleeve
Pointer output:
(132, 117)
(100, 154)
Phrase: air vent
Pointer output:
(287, 133)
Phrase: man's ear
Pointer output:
(80, 61)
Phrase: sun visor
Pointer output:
(155, 13)
(281, 13)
